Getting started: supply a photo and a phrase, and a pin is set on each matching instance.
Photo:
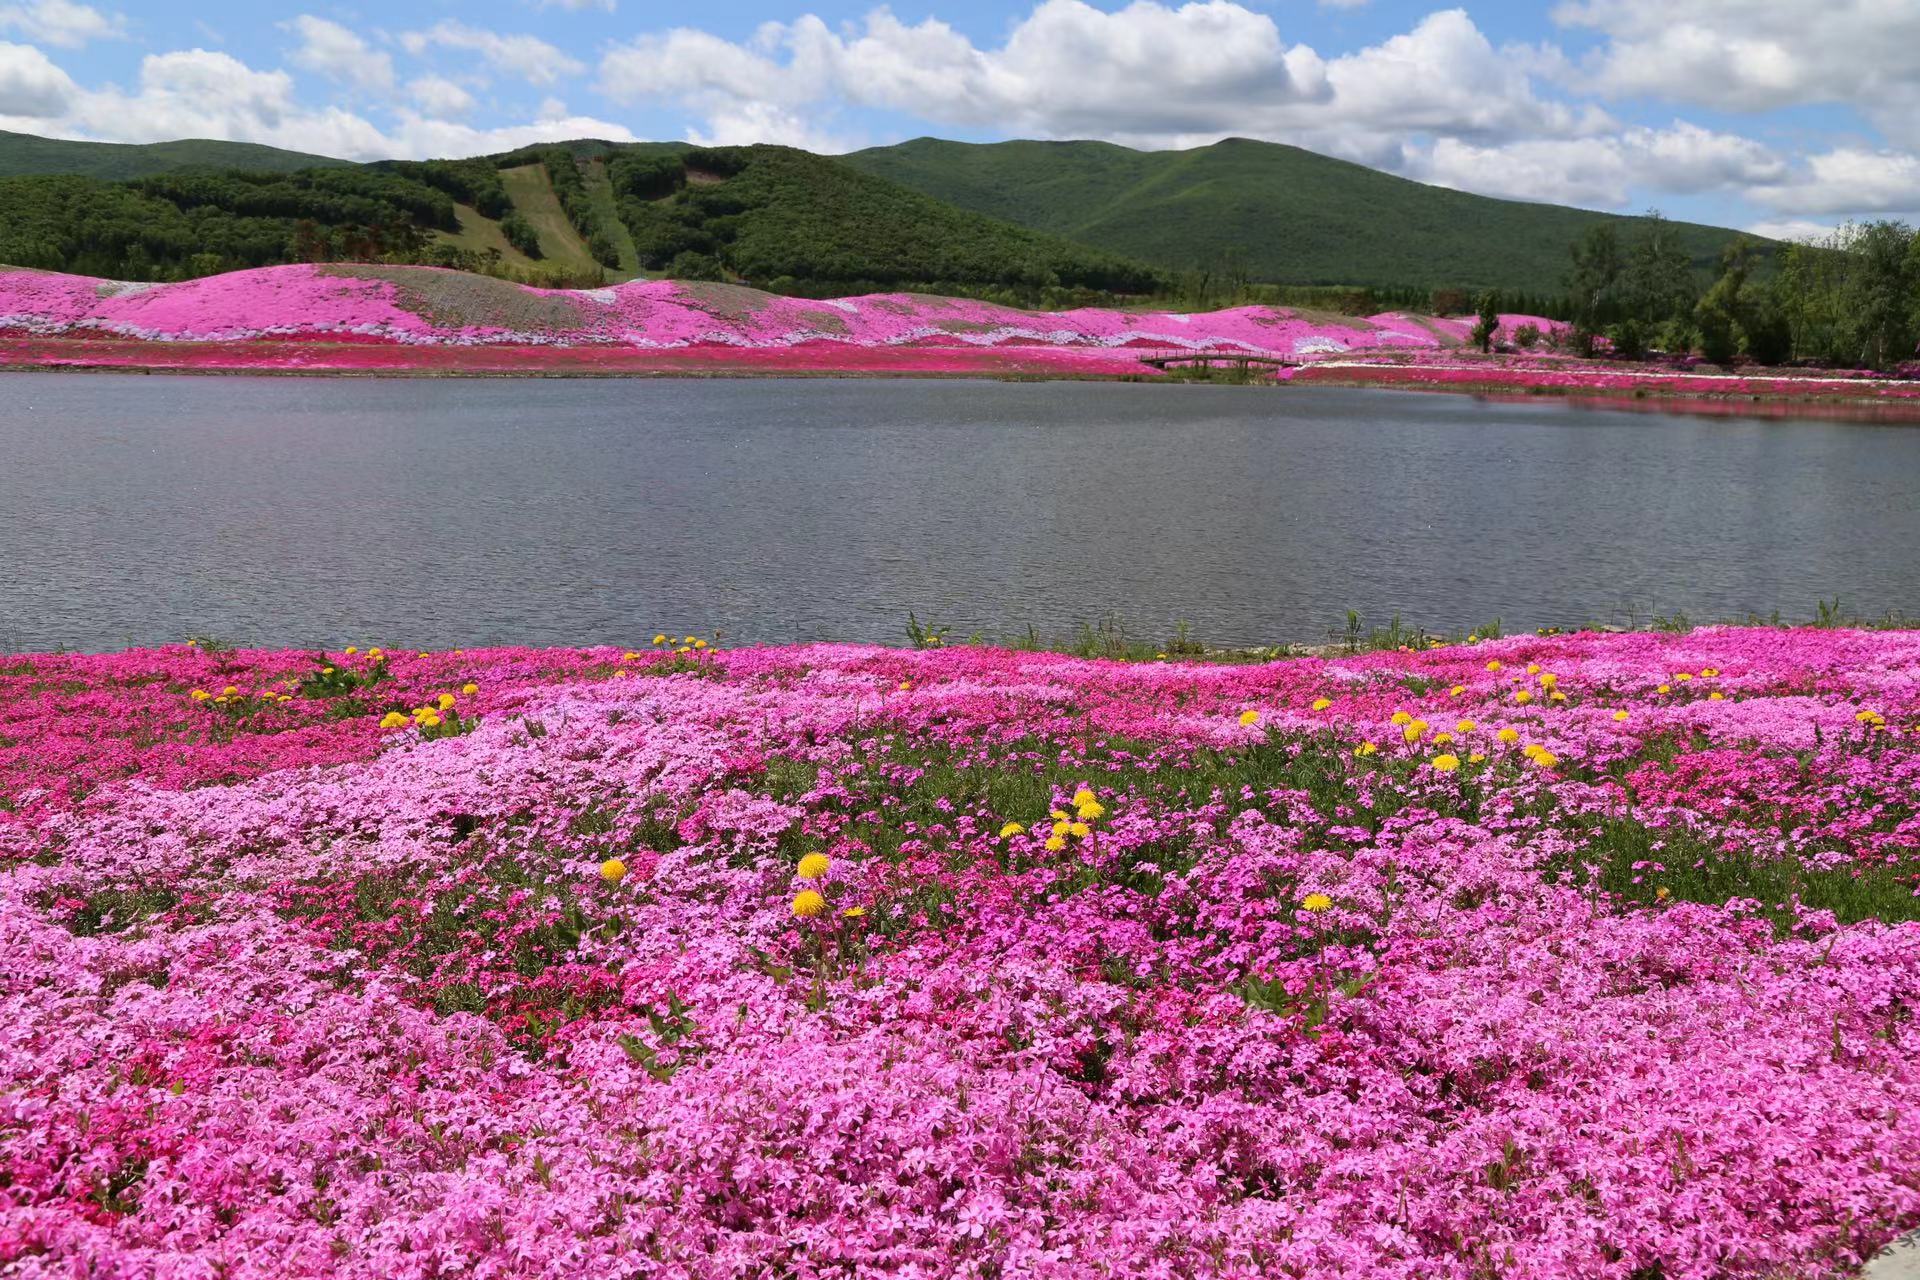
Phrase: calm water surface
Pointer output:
(143, 509)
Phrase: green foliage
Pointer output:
(1488, 324)
(176, 226)
(471, 182)
(804, 224)
(1289, 214)
(520, 233)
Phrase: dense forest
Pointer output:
(797, 223)
(176, 226)
(1851, 300)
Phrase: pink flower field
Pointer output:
(1584, 956)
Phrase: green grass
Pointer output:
(1282, 213)
(479, 233)
(560, 245)
(601, 193)
(26, 154)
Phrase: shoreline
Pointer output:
(1600, 386)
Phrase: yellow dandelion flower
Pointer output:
(1620, 715)
(1089, 811)
(1662, 894)
(1683, 676)
(326, 671)
(660, 639)
(425, 654)
(1062, 826)
(1545, 759)
(613, 871)
(1249, 718)
(905, 685)
(620, 675)
(1412, 732)
(1556, 696)
(1456, 691)
(1400, 717)
(807, 904)
(1321, 704)
(393, 720)
(469, 688)
(1709, 673)
(430, 721)
(351, 650)
(689, 640)
(1533, 668)
(1012, 829)
(446, 701)
(228, 692)
(1716, 696)
(1446, 762)
(1465, 726)
(199, 695)
(1365, 749)
(629, 656)
(1316, 902)
(1865, 717)
(1079, 831)
(854, 913)
(814, 865)
(1548, 680)
(1665, 688)
(699, 644)
(1495, 665)
(1056, 843)
(1477, 757)
(1508, 736)
(1084, 796)
(1523, 697)
(1059, 815)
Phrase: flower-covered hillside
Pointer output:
(1591, 956)
(428, 306)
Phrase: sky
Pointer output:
(1785, 117)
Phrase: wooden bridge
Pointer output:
(1245, 362)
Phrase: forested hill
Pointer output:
(26, 153)
(573, 214)
(1270, 211)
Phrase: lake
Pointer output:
(139, 510)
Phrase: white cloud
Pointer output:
(439, 97)
(61, 22)
(1601, 171)
(1848, 180)
(1792, 229)
(1148, 70)
(1741, 56)
(579, 6)
(339, 54)
(31, 86)
(529, 57)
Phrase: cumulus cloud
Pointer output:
(1148, 70)
(62, 23)
(198, 93)
(1740, 56)
(31, 86)
(339, 54)
(1847, 180)
(1601, 171)
(528, 57)
(439, 97)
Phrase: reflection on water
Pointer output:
(436, 512)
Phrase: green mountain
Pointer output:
(796, 222)
(566, 215)
(1276, 213)
(26, 153)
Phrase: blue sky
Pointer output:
(1787, 116)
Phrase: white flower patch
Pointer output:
(606, 297)
(1319, 346)
(842, 304)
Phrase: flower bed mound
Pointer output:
(1590, 956)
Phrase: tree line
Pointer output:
(1851, 299)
